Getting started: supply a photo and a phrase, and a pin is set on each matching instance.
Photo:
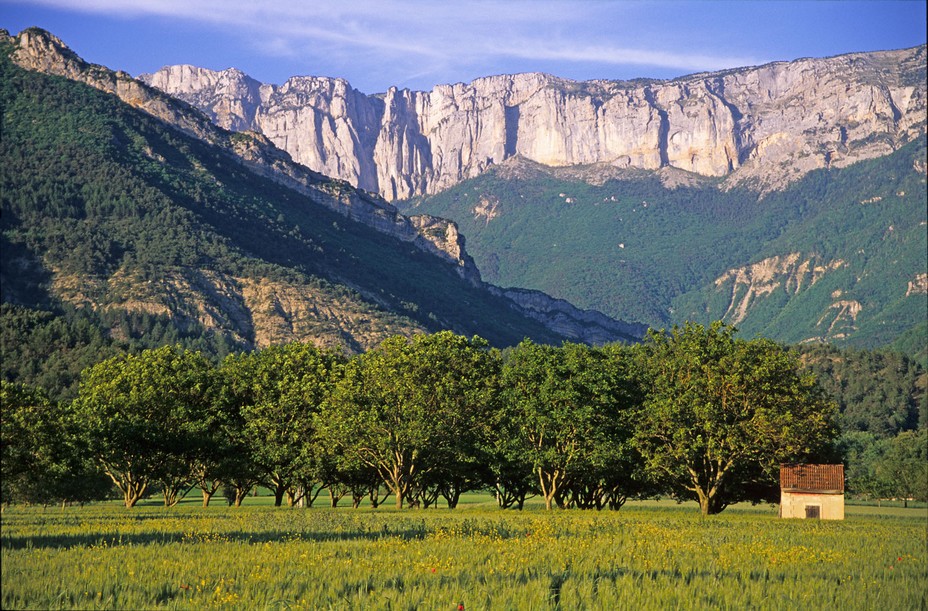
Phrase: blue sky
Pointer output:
(417, 43)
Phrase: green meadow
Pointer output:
(648, 555)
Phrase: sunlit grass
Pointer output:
(655, 555)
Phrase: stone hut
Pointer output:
(812, 491)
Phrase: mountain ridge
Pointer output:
(37, 50)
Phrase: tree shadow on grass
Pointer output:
(196, 537)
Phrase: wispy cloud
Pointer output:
(416, 41)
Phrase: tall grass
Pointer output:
(641, 557)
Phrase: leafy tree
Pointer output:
(277, 391)
(568, 405)
(146, 418)
(41, 459)
(464, 384)
(512, 471)
(903, 469)
(722, 413)
(413, 408)
(614, 470)
(861, 451)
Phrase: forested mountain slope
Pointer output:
(838, 256)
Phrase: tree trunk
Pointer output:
(312, 493)
(453, 499)
(374, 496)
(704, 506)
(710, 505)
(549, 489)
(209, 488)
(279, 491)
(170, 497)
(399, 488)
(132, 488)
(294, 495)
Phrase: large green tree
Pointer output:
(42, 460)
(146, 419)
(414, 408)
(276, 391)
(569, 406)
(721, 413)
(903, 468)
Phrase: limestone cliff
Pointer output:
(587, 326)
(763, 126)
(788, 274)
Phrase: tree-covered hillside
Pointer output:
(838, 256)
(119, 232)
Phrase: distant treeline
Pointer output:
(693, 414)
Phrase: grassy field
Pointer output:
(648, 555)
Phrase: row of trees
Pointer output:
(696, 414)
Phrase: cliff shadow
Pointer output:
(512, 131)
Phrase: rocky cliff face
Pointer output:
(256, 312)
(587, 326)
(763, 126)
(788, 274)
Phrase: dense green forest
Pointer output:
(639, 251)
(882, 400)
(119, 232)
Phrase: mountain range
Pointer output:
(128, 210)
(788, 199)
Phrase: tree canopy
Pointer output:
(145, 418)
(695, 413)
(409, 408)
(571, 406)
(276, 393)
(722, 413)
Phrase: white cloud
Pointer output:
(420, 43)
(453, 33)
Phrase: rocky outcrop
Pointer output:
(587, 326)
(761, 127)
(788, 274)
(231, 98)
(917, 286)
(257, 312)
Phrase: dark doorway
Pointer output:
(813, 511)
